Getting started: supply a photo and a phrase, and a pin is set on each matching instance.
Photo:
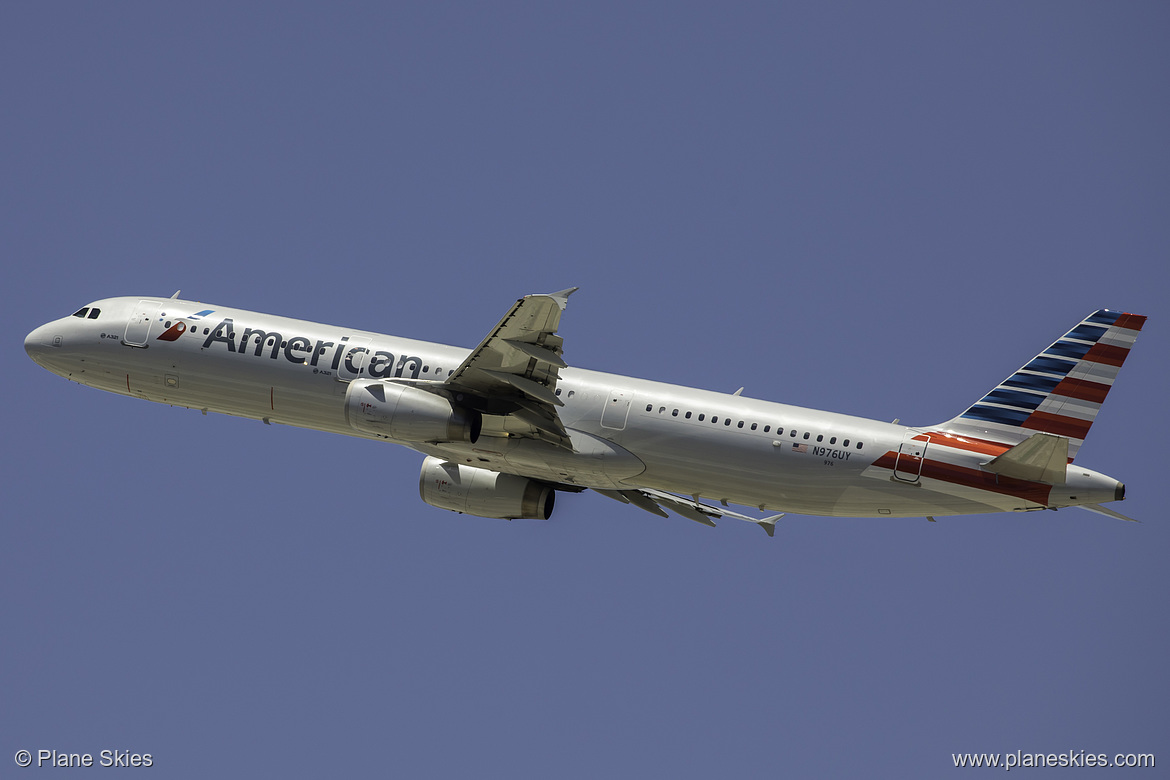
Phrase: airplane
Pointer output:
(507, 425)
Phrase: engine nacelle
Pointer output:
(405, 413)
(466, 489)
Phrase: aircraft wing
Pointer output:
(653, 502)
(513, 373)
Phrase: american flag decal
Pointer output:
(800, 448)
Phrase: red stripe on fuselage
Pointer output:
(1036, 492)
(982, 446)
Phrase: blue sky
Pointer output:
(880, 210)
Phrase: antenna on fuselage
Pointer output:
(176, 295)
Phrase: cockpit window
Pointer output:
(81, 312)
(93, 313)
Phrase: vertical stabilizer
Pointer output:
(1060, 390)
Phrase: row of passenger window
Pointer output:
(792, 433)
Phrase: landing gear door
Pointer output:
(138, 327)
(911, 455)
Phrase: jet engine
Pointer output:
(405, 413)
(466, 489)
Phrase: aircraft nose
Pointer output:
(38, 344)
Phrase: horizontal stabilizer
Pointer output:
(1107, 512)
(1041, 457)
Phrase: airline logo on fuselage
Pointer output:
(179, 328)
(172, 333)
(301, 350)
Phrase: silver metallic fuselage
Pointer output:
(627, 432)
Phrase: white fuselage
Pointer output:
(626, 432)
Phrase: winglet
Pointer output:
(562, 297)
(769, 524)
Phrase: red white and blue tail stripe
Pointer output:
(1060, 390)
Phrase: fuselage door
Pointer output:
(617, 409)
(911, 454)
(138, 327)
(355, 359)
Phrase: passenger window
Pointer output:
(833, 440)
(674, 413)
(661, 409)
(81, 312)
(425, 368)
(649, 407)
(859, 445)
(94, 313)
(792, 433)
(820, 437)
(727, 421)
(701, 418)
(845, 443)
(806, 434)
(753, 426)
(768, 427)
(688, 415)
(572, 393)
(558, 392)
(740, 424)
(779, 430)
(714, 419)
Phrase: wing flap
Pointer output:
(532, 389)
(538, 352)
